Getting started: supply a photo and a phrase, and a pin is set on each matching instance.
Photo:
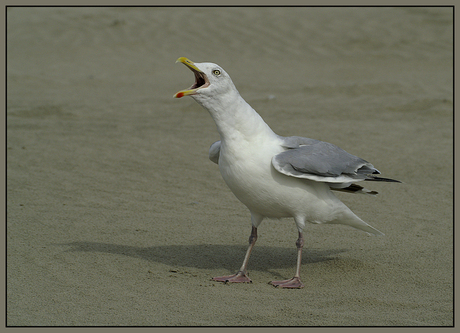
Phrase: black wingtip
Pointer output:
(381, 179)
(353, 188)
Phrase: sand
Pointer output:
(116, 217)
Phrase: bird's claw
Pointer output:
(293, 283)
(239, 277)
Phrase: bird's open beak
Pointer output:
(201, 80)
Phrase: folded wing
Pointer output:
(324, 162)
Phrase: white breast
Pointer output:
(250, 175)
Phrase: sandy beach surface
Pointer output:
(116, 217)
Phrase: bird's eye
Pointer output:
(216, 72)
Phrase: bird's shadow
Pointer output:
(210, 256)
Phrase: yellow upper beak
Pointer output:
(201, 81)
(188, 63)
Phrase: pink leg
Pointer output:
(295, 281)
(241, 275)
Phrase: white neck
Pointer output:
(234, 117)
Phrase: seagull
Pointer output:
(275, 176)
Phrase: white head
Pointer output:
(215, 91)
(211, 82)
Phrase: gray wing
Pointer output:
(321, 161)
(214, 152)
